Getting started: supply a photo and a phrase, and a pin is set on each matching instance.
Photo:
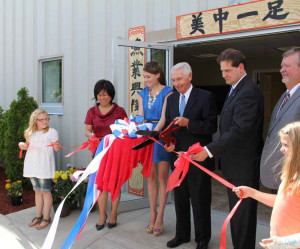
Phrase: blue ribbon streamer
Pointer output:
(89, 200)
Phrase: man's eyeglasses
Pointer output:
(43, 119)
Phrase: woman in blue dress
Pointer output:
(152, 105)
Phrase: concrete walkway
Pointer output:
(130, 232)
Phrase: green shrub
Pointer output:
(3, 129)
(16, 122)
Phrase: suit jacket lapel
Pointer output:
(274, 121)
(233, 94)
(284, 108)
(176, 102)
(189, 104)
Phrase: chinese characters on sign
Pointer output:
(136, 84)
(253, 15)
(135, 68)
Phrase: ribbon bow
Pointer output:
(126, 128)
(182, 166)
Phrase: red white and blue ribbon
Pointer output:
(121, 129)
(128, 127)
(91, 198)
(91, 168)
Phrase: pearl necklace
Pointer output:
(151, 99)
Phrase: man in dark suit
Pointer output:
(195, 111)
(240, 143)
(286, 110)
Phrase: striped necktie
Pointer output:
(286, 98)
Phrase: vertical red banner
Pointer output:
(136, 62)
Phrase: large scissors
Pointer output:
(158, 135)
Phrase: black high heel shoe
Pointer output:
(100, 227)
(112, 225)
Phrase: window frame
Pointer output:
(51, 108)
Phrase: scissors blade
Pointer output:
(147, 133)
(143, 144)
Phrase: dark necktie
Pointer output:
(286, 98)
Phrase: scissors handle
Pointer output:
(164, 134)
(169, 140)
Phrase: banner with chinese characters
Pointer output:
(136, 83)
(135, 68)
(248, 16)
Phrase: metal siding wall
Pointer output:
(139, 13)
(80, 65)
(97, 49)
(2, 55)
(118, 15)
(8, 53)
(40, 28)
(18, 52)
(64, 125)
(162, 12)
(52, 27)
(29, 49)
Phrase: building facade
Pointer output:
(74, 43)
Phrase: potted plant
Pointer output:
(60, 189)
(15, 191)
(80, 191)
(83, 189)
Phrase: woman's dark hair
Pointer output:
(105, 85)
(235, 56)
(154, 67)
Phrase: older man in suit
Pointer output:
(286, 110)
(240, 143)
(195, 111)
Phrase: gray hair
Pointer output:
(291, 51)
(186, 68)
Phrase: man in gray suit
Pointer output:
(285, 111)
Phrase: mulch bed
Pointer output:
(5, 206)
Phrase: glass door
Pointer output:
(129, 58)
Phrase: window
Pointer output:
(51, 85)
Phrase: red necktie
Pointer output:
(286, 98)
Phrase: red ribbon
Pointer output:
(52, 145)
(20, 154)
(182, 167)
(93, 142)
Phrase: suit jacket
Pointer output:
(241, 124)
(271, 159)
(202, 114)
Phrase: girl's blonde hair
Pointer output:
(32, 127)
(290, 174)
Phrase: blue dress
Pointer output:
(152, 115)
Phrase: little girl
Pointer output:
(285, 218)
(39, 164)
